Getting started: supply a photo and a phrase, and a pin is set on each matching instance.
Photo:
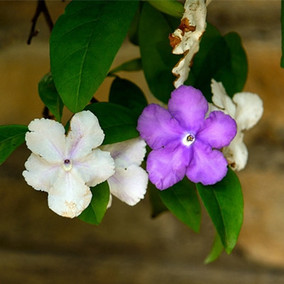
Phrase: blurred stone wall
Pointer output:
(129, 247)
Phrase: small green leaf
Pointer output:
(126, 93)
(156, 52)
(49, 96)
(131, 65)
(224, 204)
(157, 205)
(83, 44)
(170, 7)
(11, 137)
(216, 250)
(95, 212)
(282, 33)
(181, 199)
(118, 123)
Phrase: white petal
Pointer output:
(46, 139)
(249, 109)
(85, 134)
(128, 152)
(69, 196)
(129, 184)
(236, 153)
(221, 99)
(96, 167)
(39, 173)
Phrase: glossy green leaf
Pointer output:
(156, 52)
(50, 96)
(181, 199)
(83, 44)
(224, 204)
(157, 205)
(95, 212)
(282, 33)
(133, 29)
(131, 65)
(233, 74)
(11, 137)
(221, 58)
(126, 93)
(117, 122)
(170, 7)
(216, 250)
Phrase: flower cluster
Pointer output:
(187, 139)
(67, 166)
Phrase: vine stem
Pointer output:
(41, 8)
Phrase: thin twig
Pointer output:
(41, 8)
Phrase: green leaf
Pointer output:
(181, 199)
(282, 33)
(221, 58)
(11, 137)
(83, 44)
(133, 29)
(170, 7)
(233, 74)
(50, 96)
(95, 212)
(126, 93)
(157, 205)
(224, 204)
(131, 65)
(156, 52)
(118, 123)
(216, 250)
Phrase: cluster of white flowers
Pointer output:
(66, 166)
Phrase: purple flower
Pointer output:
(184, 141)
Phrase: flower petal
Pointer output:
(40, 174)
(167, 166)
(236, 153)
(218, 130)
(128, 152)
(85, 134)
(129, 184)
(188, 106)
(221, 99)
(46, 139)
(157, 127)
(207, 166)
(96, 167)
(249, 109)
(69, 195)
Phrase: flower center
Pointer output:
(188, 139)
(67, 165)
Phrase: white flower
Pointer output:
(66, 166)
(246, 108)
(186, 38)
(129, 183)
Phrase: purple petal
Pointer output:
(218, 130)
(188, 106)
(157, 127)
(207, 166)
(167, 166)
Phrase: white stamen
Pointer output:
(67, 165)
(188, 139)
